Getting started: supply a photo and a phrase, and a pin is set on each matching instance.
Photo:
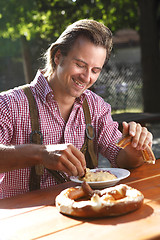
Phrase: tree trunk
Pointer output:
(27, 65)
(150, 54)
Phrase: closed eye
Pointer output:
(80, 65)
(96, 70)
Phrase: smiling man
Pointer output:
(73, 64)
(75, 73)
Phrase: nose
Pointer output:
(86, 75)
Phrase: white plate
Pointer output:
(118, 172)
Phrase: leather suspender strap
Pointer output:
(35, 137)
(88, 146)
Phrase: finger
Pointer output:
(63, 168)
(79, 155)
(129, 128)
(125, 128)
(54, 162)
(142, 138)
(147, 141)
(68, 158)
(136, 138)
(132, 128)
(68, 162)
(78, 160)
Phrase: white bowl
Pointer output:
(118, 172)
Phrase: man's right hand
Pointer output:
(64, 157)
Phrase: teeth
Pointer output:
(77, 83)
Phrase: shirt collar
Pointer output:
(42, 87)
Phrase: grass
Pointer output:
(130, 110)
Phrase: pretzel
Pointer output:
(148, 155)
(82, 201)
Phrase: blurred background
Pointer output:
(130, 81)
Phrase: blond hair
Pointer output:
(96, 32)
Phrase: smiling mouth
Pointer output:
(78, 83)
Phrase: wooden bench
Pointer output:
(142, 118)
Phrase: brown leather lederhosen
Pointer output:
(37, 138)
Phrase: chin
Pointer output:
(77, 94)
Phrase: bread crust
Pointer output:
(148, 155)
(113, 201)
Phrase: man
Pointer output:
(73, 64)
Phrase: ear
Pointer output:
(57, 57)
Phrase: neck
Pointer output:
(60, 96)
(65, 108)
(65, 102)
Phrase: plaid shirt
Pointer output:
(15, 128)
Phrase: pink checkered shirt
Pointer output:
(15, 128)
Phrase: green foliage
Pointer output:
(48, 18)
(121, 14)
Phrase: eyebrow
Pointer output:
(79, 60)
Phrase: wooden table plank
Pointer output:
(146, 170)
(34, 199)
(35, 223)
(7, 213)
(150, 188)
(140, 226)
(34, 216)
(48, 220)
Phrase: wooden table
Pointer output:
(34, 215)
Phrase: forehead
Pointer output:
(85, 50)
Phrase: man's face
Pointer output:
(79, 69)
